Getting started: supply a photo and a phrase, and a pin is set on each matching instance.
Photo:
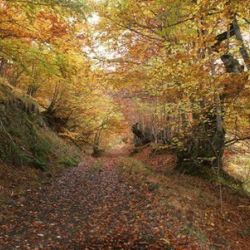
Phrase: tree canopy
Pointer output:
(180, 69)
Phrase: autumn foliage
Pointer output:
(178, 69)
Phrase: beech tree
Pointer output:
(42, 56)
(184, 66)
(186, 63)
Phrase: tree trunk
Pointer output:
(141, 136)
(243, 49)
(205, 147)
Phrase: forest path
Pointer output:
(90, 207)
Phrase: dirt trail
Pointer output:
(89, 207)
(92, 206)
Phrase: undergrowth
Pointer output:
(24, 138)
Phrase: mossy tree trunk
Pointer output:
(205, 147)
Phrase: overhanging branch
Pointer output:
(235, 140)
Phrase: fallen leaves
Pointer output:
(86, 209)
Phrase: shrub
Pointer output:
(69, 162)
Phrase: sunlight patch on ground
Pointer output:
(238, 165)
